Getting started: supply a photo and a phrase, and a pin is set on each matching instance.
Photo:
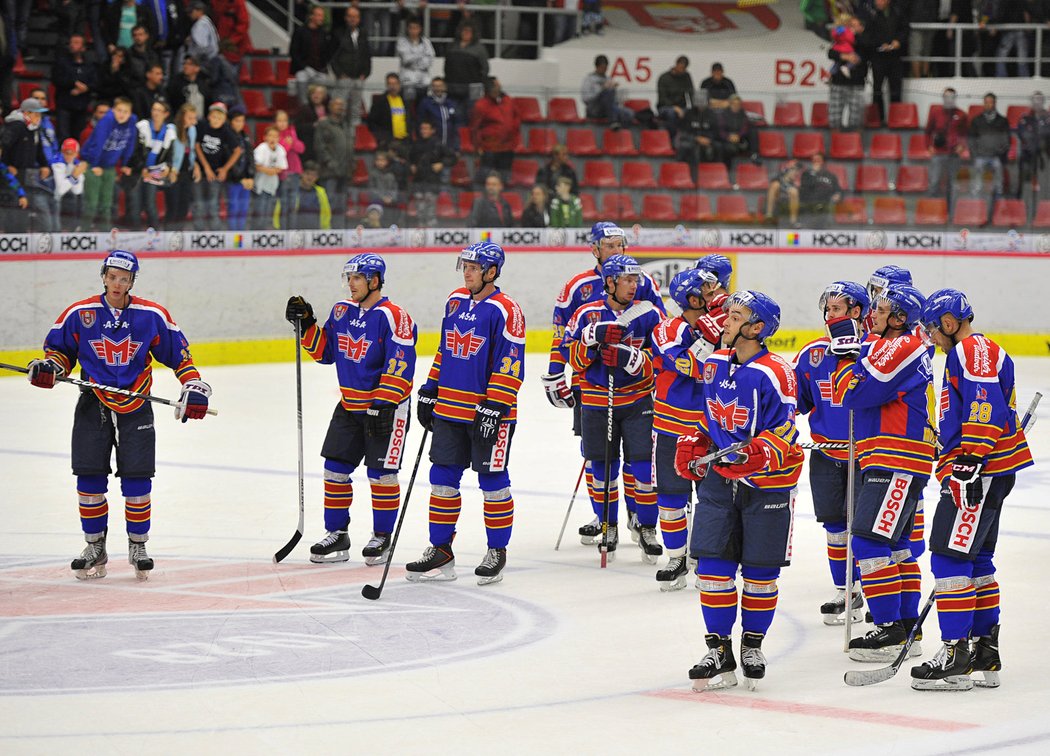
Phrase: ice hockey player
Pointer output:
(718, 273)
(680, 346)
(116, 337)
(372, 343)
(606, 239)
(600, 346)
(879, 280)
(983, 447)
(746, 500)
(844, 306)
(470, 402)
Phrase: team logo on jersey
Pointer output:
(463, 345)
(453, 305)
(594, 317)
(87, 317)
(827, 393)
(116, 353)
(339, 311)
(730, 416)
(586, 290)
(816, 356)
(353, 349)
(709, 372)
(980, 395)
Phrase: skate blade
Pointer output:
(718, 682)
(752, 683)
(837, 620)
(440, 576)
(672, 585)
(916, 649)
(374, 560)
(92, 573)
(142, 574)
(956, 683)
(335, 556)
(650, 558)
(590, 540)
(490, 579)
(886, 655)
(988, 679)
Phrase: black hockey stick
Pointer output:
(571, 501)
(287, 548)
(860, 677)
(604, 547)
(373, 592)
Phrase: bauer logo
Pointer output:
(207, 241)
(918, 241)
(14, 243)
(752, 239)
(77, 243)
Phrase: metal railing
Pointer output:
(958, 60)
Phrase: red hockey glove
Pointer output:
(630, 358)
(601, 333)
(689, 449)
(965, 482)
(193, 402)
(753, 458)
(42, 373)
(716, 308)
(557, 389)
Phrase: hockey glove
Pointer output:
(708, 337)
(379, 419)
(845, 337)
(631, 359)
(487, 417)
(601, 333)
(425, 408)
(557, 388)
(716, 309)
(43, 373)
(753, 458)
(965, 482)
(298, 309)
(690, 449)
(193, 402)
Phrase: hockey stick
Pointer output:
(850, 482)
(569, 510)
(101, 387)
(287, 548)
(634, 312)
(373, 592)
(604, 547)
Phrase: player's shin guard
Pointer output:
(445, 503)
(880, 579)
(338, 495)
(597, 491)
(386, 497)
(836, 536)
(499, 508)
(955, 604)
(986, 614)
(758, 602)
(630, 488)
(94, 509)
(673, 523)
(911, 584)
(136, 504)
(644, 495)
(718, 596)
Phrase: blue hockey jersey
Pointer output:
(679, 379)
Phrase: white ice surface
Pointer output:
(222, 651)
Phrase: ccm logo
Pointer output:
(397, 442)
(891, 505)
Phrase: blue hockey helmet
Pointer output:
(762, 308)
(886, 275)
(486, 254)
(367, 264)
(122, 260)
(945, 302)
(717, 266)
(606, 230)
(686, 283)
(853, 293)
(620, 265)
(904, 300)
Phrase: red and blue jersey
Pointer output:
(822, 383)
(754, 401)
(117, 347)
(481, 356)
(979, 409)
(890, 389)
(584, 288)
(593, 375)
(374, 352)
(679, 378)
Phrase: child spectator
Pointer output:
(106, 153)
(156, 143)
(270, 160)
(218, 148)
(430, 162)
(535, 214)
(566, 208)
(293, 149)
(241, 178)
(69, 187)
(382, 186)
(593, 20)
(185, 171)
(311, 209)
(843, 38)
(373, 216)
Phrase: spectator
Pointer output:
(307, 118)
(846, 85)
(156, 142)
(989, 145)
(373, 216)
(495, 130)
(142, 55)
(945, 140)
(115, 77)
(430, 161)
(192, 86)
(389, 120)
(566, 208)
(41, 188)
(105, 154)
(351, 63)
(1011, 12)
(311, 209)
(270, 161)
(466, 66)
(290, 178)
(96, 115)
(555, 168)
(593, 20)
(563, 25)
(674, 94)
(310, 51)
(75, 78)
(185, 171)
(152, 90)
(12, 200)
(490, 209)
(69, 186)
(818, 193)
(844, 40)
(697, 139)
(886, 32)
(233, 24)
(598, 93)
(920, 41)
(203, 40)
(334, 146)
(783, 196)
(240, 180)
(442, 111)
(718, 87)
(22, 150)
(735, 136)
(166, 36)
(218, 149)
(1033, 134)
(118, 21)
(536, 214)
(48, 133)
(416, 55)
(383, 188)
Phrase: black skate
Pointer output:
(591, 533)
(752, 660)
(985, 661)
(91, 564)
(834, 612)
(438, 564)
(377, 550)
(612, 541)
(334, 547)
(672, 577)
(491, 568)
(651, 548)
(916, 644)
(880, 645)
(717, 670)
(948, 670)
(137, 556)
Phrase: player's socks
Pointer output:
(674, 528)
(386, 497)
(836, 538)
(718, 596)
(956, 601)
(911, 587)
(338, 496)
(499, 517)
(445, 504)
(758, 601)
(986, 609)
(94, 508)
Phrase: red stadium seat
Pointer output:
(885, 147)
(590, 207)
(732, 208)
(917, 148)
(637, 174)
(970, 212)
(872, 178)
(262, 73)
(713, 177)
(807, 144)
(771, 145)
(460, 175)
(789, 115)
(846, 145)
(528, 109)
(751, 178)
(637, 104)
(581, 142)
(541, 141)
(281, 100)
(363, 139)
(514, 202)
(696, 208)
(599, 174)
(974, 111)
(255, 103)
(523, 172)
(283, 72)
(903, 115)
(658, 208)
(563, 110)
(676, 176)
(465, 204)
(1010, 213)
(445, 207)
(756, 109)
(840, 173)
(913, 179)
(852, 211)
(890, 211)
(360, 177)
(618, 206)
(260, 131)
(871, 117)
(931, 212)
(1042, 215)
(1014, 113)
(618, 143)
(818, 116)
(656, 143)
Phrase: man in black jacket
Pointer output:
(674, 94)
(846, 85)
(430, 162)
(192, 86)
(490, 209)
(22, 149)
(885, 32)
(310, 50)
(989, 145)
(75, 78)
(389, 119)
(351, 61)
(818, 192)
(697, 135)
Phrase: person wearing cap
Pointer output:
(41, 186)
(1033, 133)
(718, 86)
(22, 149)
(106, 153)
(69, 187)
(203, 40)
(218, 149)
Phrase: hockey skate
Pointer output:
(916, 644)
(672, 577)
(633, 527)
(377, 550)
(334, 547)
(880, 645)
(91, 564)
(491, 568)
(985, 661)
(137, 556)
(591, 533)
(752, 660)
(650, 546)
(834, 612)
(438, 564)
(948, 670)
(612, 541)
(717, 670)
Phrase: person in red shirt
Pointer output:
(945, 140)
(495, 129)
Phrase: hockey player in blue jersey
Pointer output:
(470, 401)
(116, 337)
(372, 343)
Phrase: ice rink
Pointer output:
(223, 651)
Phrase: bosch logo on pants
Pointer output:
(892, 503)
